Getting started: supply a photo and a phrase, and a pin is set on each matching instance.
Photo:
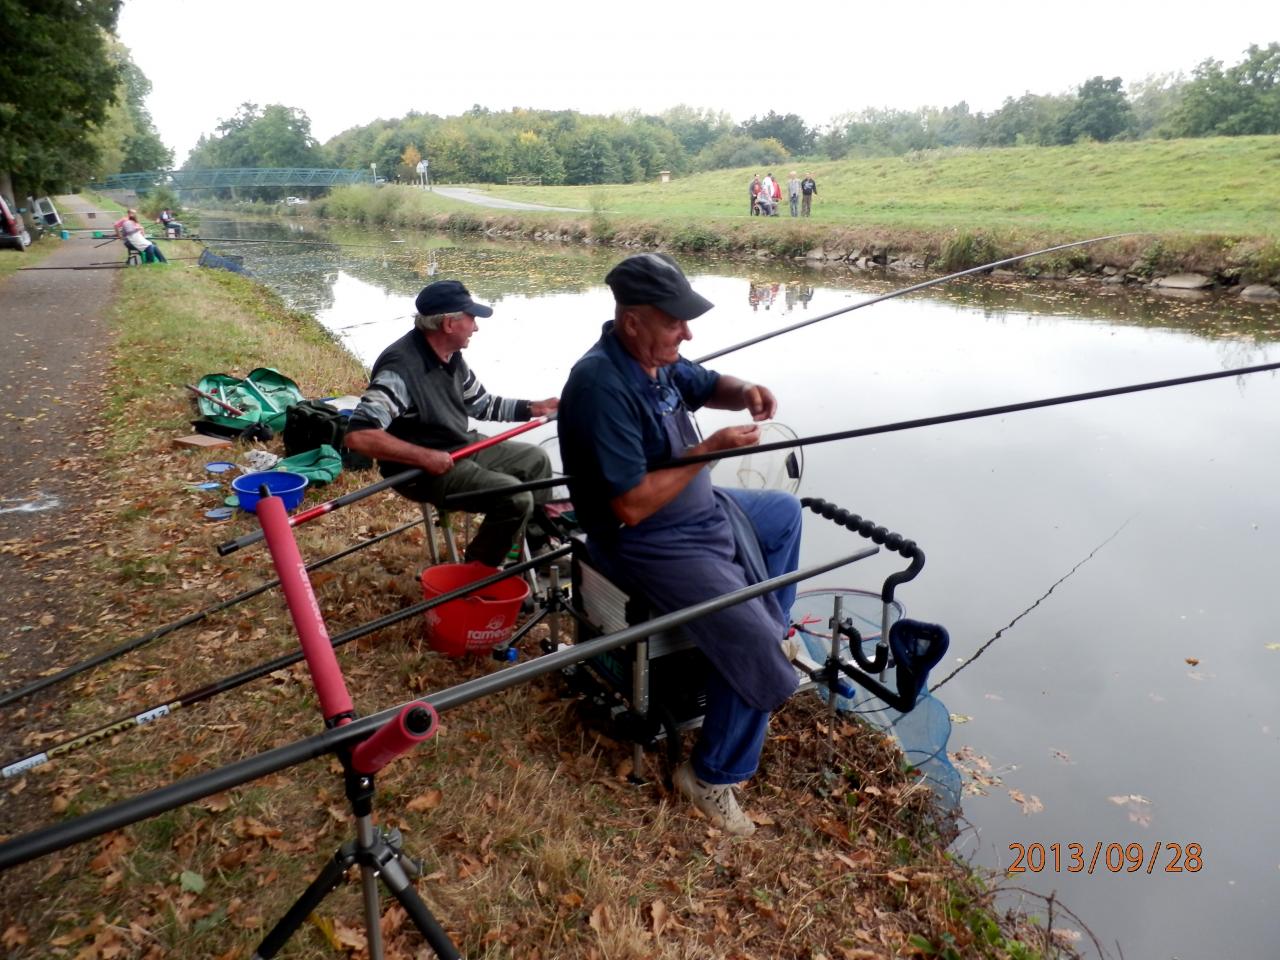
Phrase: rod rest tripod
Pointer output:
(910, 646)
(377, 852)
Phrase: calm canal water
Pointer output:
(1135, 703)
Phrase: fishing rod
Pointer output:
(895, 427)
(231, 546)
(115, 266)
(131, 645)
(37, 843)
(322, 243)
(210, 690)
(99, 263)
(905, 290)
(234, 411)
(1039, 600)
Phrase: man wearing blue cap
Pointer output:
(417, 409)
(669, 533)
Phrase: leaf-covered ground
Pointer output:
(537, 842)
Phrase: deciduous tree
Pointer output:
(57, 82)
(1243, 99)
(1100, 112)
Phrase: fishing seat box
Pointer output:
(648, 691)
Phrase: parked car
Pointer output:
(294, 201)
(13, 232)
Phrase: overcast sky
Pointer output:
(347, 63)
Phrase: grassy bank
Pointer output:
(536, 844)
(1207, 205)
(12, 260)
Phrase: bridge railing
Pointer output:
(524, 181)
(235, 177)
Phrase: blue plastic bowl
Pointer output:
(289, 487)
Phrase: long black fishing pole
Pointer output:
(118, 266)
(37, 843)
(322, 243)
(168, 628)
(895, 427)
(905, 290)
(1039, 600)
(210, 690)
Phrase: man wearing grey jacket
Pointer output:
(793, 193)
(417, 410)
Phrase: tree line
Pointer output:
(72, 102)
(563, 146)
(73, 107)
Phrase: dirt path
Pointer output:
(53, 371)
(467, 195)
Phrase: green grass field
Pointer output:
(1209, 205)
(1222, 185)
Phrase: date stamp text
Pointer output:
(1110, 857)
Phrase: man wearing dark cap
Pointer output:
(668, 533)
(416, 410)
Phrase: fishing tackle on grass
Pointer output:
(210, 690)
(231, 546)
(29, 846)
(192, 618)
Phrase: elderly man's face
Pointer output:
(460, 328)
(653, 337)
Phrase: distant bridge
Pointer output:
(235, 177)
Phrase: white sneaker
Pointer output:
(716, 801)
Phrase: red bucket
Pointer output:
(475, 623)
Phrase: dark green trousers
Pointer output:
(503, 465)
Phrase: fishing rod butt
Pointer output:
(414, 724)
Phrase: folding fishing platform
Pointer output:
(651, 691)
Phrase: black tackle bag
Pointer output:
(310, 423)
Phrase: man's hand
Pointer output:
(435, 462)
(540, 408)
(759, 401)
(731, 438)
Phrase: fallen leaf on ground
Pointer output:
(426, 801)
(658, 917)
(600, 921)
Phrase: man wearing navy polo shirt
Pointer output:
(417, 410)
(669, 533)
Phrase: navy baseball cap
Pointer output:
(448, 296)
(654, 279)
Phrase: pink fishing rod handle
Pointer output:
(415, 723)
(335, 701)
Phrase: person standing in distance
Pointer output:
(808, 190)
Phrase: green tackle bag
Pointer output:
(262, 397)
(320, 466)
(312, 423)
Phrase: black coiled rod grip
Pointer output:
(876, 534)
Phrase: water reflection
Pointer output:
(1091, 699)
(495, 270)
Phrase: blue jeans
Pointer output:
(732, 736)
(733, 732)
(777, 519)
